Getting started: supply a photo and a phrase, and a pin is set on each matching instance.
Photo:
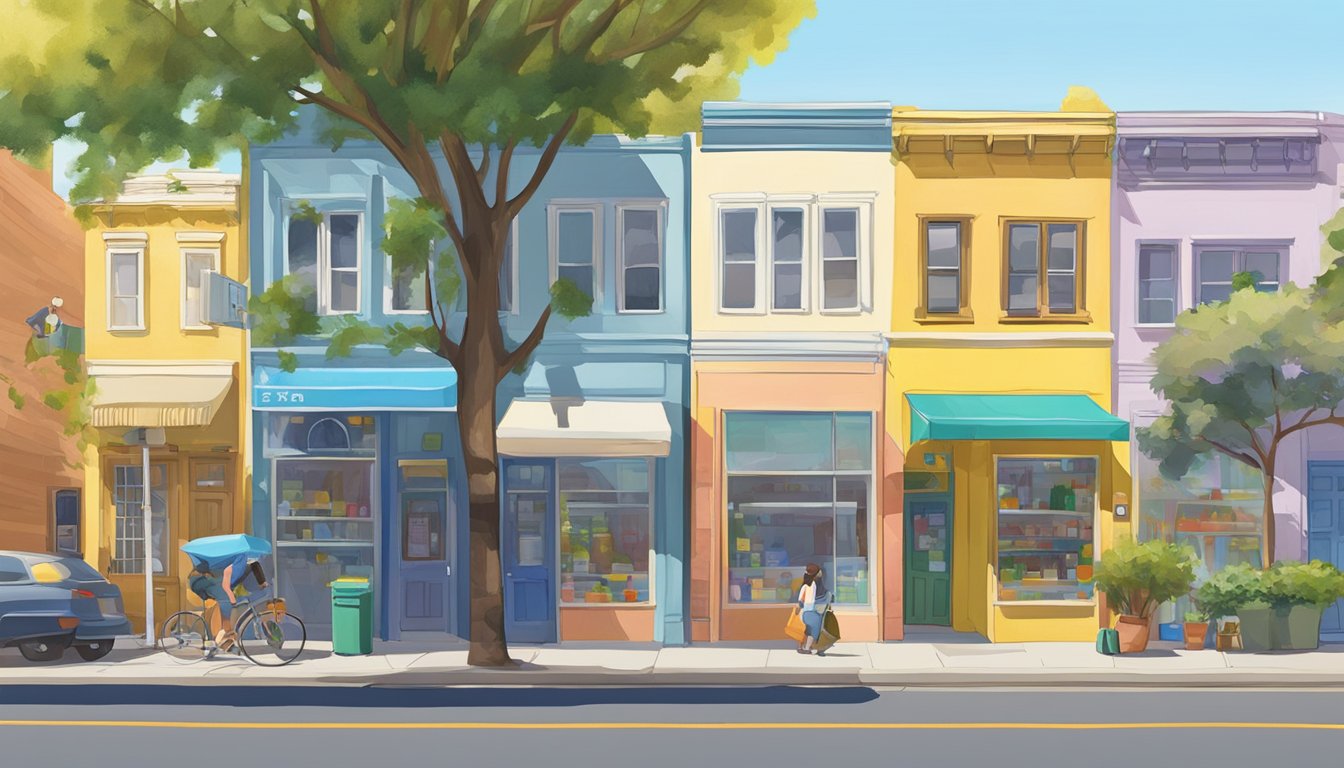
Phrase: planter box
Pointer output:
(1133, 633)
(1297, 628)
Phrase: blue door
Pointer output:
(1325, 531)
(529, 552)
(427, 546)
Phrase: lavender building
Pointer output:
(1200, 196)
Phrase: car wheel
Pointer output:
(41, 650)
(95, 650)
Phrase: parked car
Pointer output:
(49, 603)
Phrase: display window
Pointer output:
(606, 513)
(325, 528)
(1047, 510)
(799, 491)
(1216, 508)
(320, 434)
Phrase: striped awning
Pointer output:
(158, 394)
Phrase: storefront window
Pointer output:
(324, 529)
(1046, 515)
(294, 434)
(1217, 509)
(128, 499)
(800, 489)
(605, 515)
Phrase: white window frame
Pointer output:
(325, 269)
(862, 204)
(511, 257)
(123, 244)
(659, 208)
(803, 203)
(187, 251)
(1175, 246)
(553, 211)
(726, 204)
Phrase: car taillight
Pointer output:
(82, 593)
(67, 622)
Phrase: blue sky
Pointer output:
(1024, 54)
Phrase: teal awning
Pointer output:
(1012, 417)
(354, 389)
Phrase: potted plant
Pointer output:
(1136, 579)
(1195, 629)
(600, 593)
(1223, 597)
(1294, 595)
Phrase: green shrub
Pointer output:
(1229, 589)
(1287, 583)
(1137, 578)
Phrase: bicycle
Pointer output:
(269, 637)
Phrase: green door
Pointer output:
(928, 566)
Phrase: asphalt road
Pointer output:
(146, 726)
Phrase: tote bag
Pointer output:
(795, 628)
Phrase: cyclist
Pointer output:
(207, 582)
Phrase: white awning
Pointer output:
(158, 394)
(597, 428)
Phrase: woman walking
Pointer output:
(812, 599)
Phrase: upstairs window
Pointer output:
(576, 247)
(737, 237)
(326, 257)
(195, 263)
(840, 259)
(1157, 283)
(126, 288)
(1043, 268)
(789, 274)
(944, 254)
(641, 254)
(1217, 265)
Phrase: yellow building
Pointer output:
(158, 367)
(999, 369)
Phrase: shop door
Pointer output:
(1325, 531)
(426, 547)
(928, 567)
(529, 553)
(125, 566)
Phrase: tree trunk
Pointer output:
(476, 412)
(1267, 556)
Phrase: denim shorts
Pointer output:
(211, 588)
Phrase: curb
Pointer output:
(602, 677)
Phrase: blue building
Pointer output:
(357, 467)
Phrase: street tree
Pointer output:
(1241, 376)
(468, 81)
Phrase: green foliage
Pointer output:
(303, 210)
(176, 186)
(1137, 578)
(289, 362)
(1240, 374)
(569, 301)
(283, 312)
(1195, 617)
(347, 332)
(447, 278)
(1226, 591)
(411, 227)
(1316, 583)
(1246, 280)
(17, 398)
(402, 337)
(158, 80)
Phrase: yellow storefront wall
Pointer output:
(195, 502)
(986, 169)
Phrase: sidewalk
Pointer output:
(932, 661)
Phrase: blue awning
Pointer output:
(355, 389)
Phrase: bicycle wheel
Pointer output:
(184, 636)
(269, 640)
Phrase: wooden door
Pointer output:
(124, 559)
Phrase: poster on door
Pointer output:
(420, 536)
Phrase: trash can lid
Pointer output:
(349, 585)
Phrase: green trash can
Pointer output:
(351, 617)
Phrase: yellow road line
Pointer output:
(590, 726)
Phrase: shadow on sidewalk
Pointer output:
(414, 698)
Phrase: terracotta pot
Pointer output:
(1133, 632)
(1196, 632)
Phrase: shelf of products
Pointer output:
(766, 542)
(606, 514)
(1046, 513)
